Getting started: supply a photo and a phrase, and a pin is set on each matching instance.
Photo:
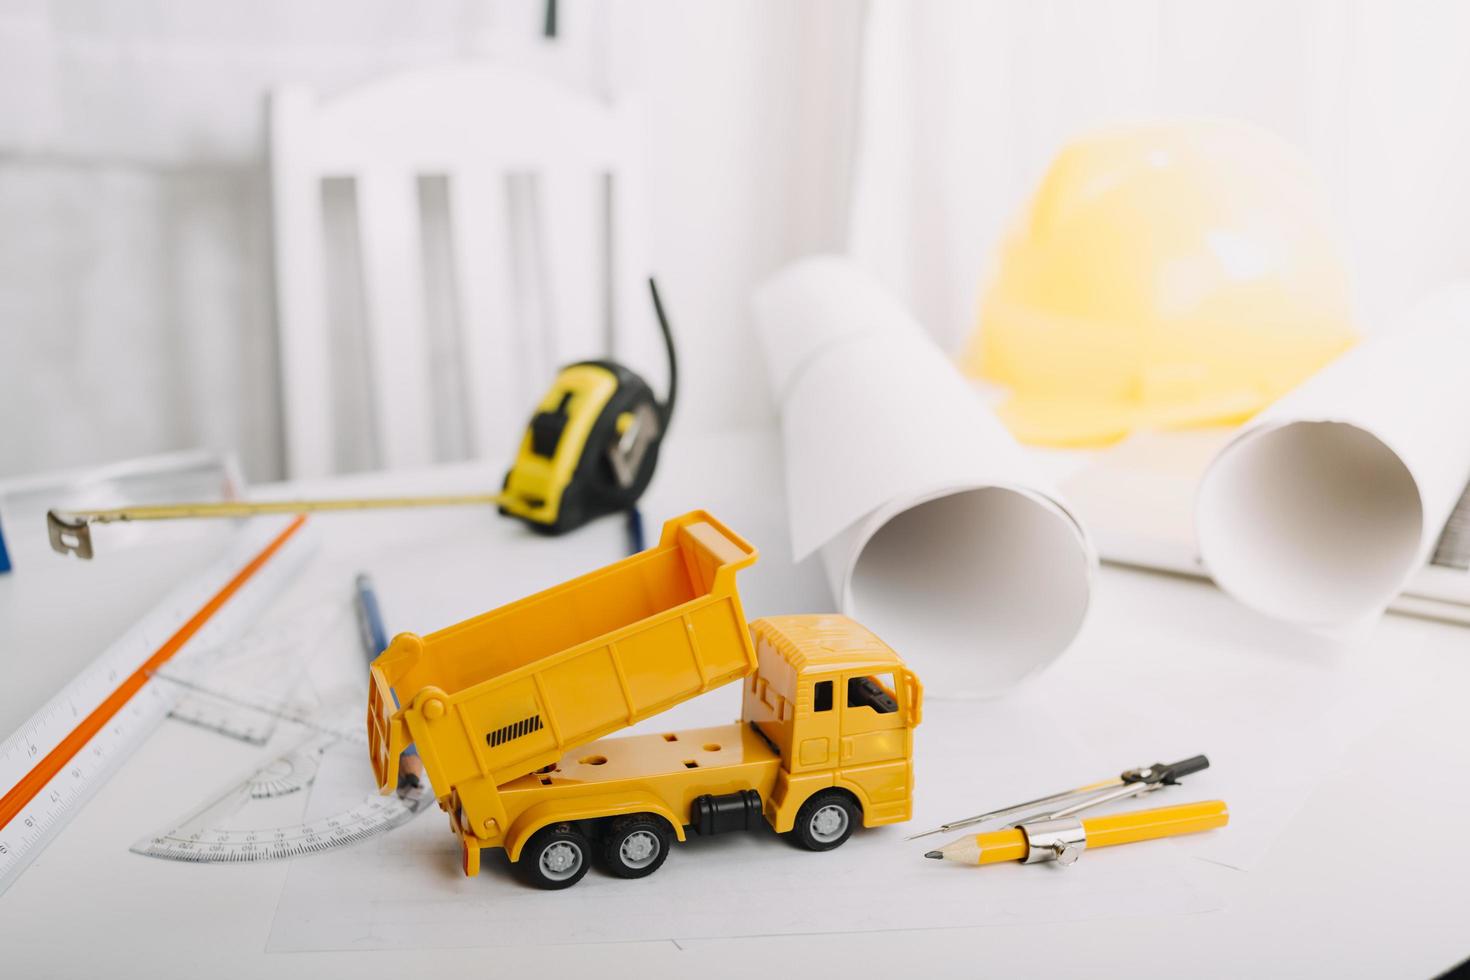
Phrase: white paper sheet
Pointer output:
(405, 890)
(934, 528)
(1275, 708)
(1324, 506)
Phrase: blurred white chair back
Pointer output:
(540, 260)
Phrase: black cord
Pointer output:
(548, 29)
(663, 324)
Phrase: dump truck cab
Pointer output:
(840, 707)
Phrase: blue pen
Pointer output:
(370, 619)
(4, 555)
(375, 641)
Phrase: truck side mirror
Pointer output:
(915, 693)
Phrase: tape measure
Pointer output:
(69, 748)
(593, 443)
(589, 450)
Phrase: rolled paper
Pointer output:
(1322, 508)
(934, 528)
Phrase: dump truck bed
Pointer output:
(513, 690)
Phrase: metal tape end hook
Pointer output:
(69, 535)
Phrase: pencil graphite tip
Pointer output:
(936, 855)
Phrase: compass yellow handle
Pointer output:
(1165, 821)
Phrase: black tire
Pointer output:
(636, 845)
(826, 820)
(555, 857)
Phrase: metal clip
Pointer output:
(69, 535)
(1062, 841)
(627, 451)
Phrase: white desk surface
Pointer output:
(1368, 878)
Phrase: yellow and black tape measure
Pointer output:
(592, 445)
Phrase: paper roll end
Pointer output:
(977, 588)
(1314, 522)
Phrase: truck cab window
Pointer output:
(822, 696)
(867, 692)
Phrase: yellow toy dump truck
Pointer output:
(509, 711)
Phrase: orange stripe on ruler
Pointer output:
(34, 781)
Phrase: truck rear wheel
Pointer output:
(555, 857)
(635, 846)
(826, 820)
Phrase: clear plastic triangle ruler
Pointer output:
(242, 690)
(259, 818)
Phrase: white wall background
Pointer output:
(135, 293)
(135, 289)
(965, 104)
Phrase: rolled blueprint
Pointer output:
(1322, 507)
(934, 529)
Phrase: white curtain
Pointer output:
(964, 103)
(136, 309)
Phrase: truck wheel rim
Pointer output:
(639, 849)
(561, 860)
(829, 823)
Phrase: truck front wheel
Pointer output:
(636, 845)
(826, 820)
(555, 857)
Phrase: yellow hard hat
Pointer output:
(1163, 276)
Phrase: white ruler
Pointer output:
(66, 751)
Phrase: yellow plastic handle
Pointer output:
(1165, 821)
